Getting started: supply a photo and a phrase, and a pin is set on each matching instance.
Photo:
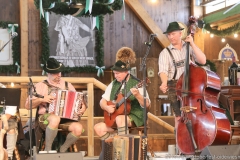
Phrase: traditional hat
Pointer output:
(53, 66)
(173, 26)
(120, 66)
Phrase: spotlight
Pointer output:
(223, 40)
(211, 35)
(235, 35)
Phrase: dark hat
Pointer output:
(173, 26)
(53, 66)
(120, 66)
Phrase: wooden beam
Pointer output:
(90, 119)
(148, 22)
(24, 36)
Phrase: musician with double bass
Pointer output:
(172, 60)
(105, 130)
(46, 120)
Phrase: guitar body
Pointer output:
(110, 119)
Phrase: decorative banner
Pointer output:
(97, 22)
(123, 11)
(11, 28)
(93, 22)
(41, 9)
(43, 72)
(18, 67)
(100, 71)
(88, 7)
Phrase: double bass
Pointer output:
(202, 121)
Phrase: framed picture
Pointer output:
(72, 40)
(5, 47)
(227, 53)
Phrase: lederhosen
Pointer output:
(172, 89)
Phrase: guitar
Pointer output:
(119, 104)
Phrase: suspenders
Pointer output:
(174, 63)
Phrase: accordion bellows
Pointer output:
(67, 104)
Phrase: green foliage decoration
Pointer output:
(225, 32)
(210, 64)
(15, 51)
(99, 8)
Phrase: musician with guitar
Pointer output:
(43, 97)
(172, 60)
(113, 106)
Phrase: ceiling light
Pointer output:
(211, 35)
(235, 35)
(223, 40)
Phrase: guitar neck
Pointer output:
(122, 100)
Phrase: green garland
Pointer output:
(100, 7)
(99, 49)
(225, 32)
(15, 51)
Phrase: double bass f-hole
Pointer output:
(201, 106)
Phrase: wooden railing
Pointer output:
(90, 83)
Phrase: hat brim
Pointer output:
(171, 30)
(60, 69)
(115, 68)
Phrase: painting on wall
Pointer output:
(72, 40)
(5, 47)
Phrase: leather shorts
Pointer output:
(172, 96)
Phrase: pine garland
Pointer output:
(225, 32)
(100, 7)
(210, 64)
(15, 51)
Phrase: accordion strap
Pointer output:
(51, 86)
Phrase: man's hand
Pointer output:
(134, 91)
(48, 98)
(82, 109)
(164, 87)
(110, 108)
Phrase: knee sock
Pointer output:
(70, 140)
(11, 143)
(49, 137)
(105, 136)
(121, 130)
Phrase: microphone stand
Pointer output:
(7, 43)
(125, 101)
(30, 86)
(143, 69)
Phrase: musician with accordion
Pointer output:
(112, 99)
(43, 100)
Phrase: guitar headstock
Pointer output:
(140, 84)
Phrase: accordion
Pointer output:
(127, 147)
(66, 104)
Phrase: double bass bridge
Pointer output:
(188, 108)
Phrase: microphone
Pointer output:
(153, 35)
(34, 90)
(14, 34)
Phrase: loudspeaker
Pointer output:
(57, 156)
(221, 152)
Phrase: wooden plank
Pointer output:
(90, 119)
(148, 21)
(24, 36)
